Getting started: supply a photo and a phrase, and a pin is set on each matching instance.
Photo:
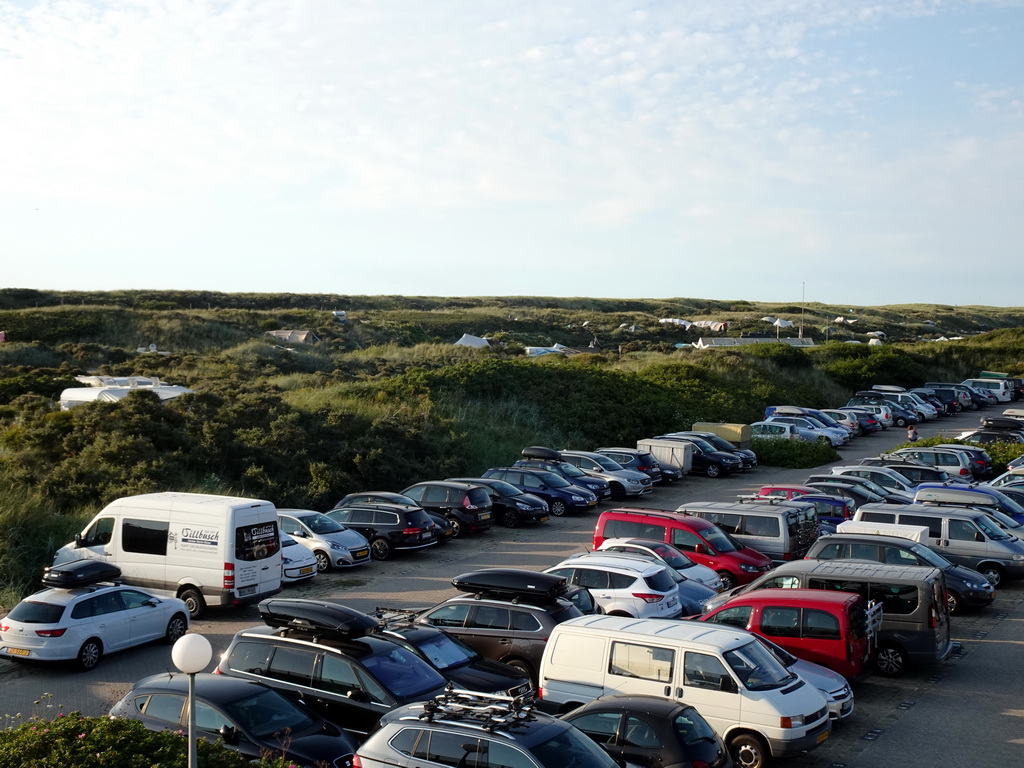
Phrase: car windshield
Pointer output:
(692, 728)
(647, 458)
(756, 668)
(267, 713)
(720, 540)
(30, 612)
(322, 524)
(785, 658)
(555, 481)
(1008, 504)
(992, 530)
(720, 443)
(673, 556)
(571, 748)
(814, 422)
(402, 673)
(610, 464)
(703, 444)
(930, 556)
(445, 652)
(571, 470)
(504, 489)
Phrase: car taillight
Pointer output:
(51, 632)
(643, 468)
(356, 762)
(229, 575)
(539, 694)
(412, 530)
(4, 627)
(648, 597)
(964, 471)
(933, 617)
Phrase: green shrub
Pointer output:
(792, 454)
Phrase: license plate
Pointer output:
(306, 570)
(359, 554)
(592, 503)
(485, 516)
(543, 519)
(16, 651)
(243, 591)
(822, 736)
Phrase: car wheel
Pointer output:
(510, 518)
(891, 661)
(89, 654)
(728, 580)
(618, 492)
(323, 562)
(557, 508)
(749, 751)
(176, 628)
(380, 549)
(993, 574)
(900, 422)
(953, 601)
(824, 439)
(194, 601)
(712, 470)
(456, 527)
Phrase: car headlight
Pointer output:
(520, 505)
(578, 499)
(796, 721)
(336, 545)
(1017, 557)
(972, 585)
(748, 568)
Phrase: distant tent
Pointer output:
(74, 396)
(341, 316)
(675, 321)
(877, 334)
(468, 340)
(295, 337)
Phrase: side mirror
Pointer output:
(359, 695)
(229, 734)
(727, 685)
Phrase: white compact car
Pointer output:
(90, 617)
(297, 562)
(333, 545)
(623, 587)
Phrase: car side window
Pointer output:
(592, 579)
(293, 665)
(290, 525)
(525, 622)
(209, 718)
(134, 599)
(250, 657)
(161, 706)
(643, 661)
(897, 556)
(337, 675)
(639, 733)
(381, 517)
(702, 670)
(780, 622)
(620, 580)
(452, 749)
(357, 516)
(737, 616)
(434, 493)
(504, 756)
(531, 481)
(862, 551)
(490, 617)
(602, 727)
(449, 615)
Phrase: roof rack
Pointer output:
(316, 616)
(489, 712)
(512, 583)
(387, 615)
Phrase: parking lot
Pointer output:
(965, 711)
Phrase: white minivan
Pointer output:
(202, 548)
(756, 705)
(998, 387)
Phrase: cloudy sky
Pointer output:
(846, 151)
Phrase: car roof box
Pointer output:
(80, 573)
(888, 388)
(540, 452)
(512, 583)
(1014, 413)
(955, 496)
(316, 616)
(1002, 422)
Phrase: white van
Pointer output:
(204, 549)
(757, 706)
(998, 387)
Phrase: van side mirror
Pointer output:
(78, 540)
(727, 685)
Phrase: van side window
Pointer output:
(879, 517)
(643, 661)
(820, 624)
(99, 532)
(703, 671)
(730, 523)
(761, 526)
(780, 622)
(737, 616)
(624, 529)
(839, 585)
(781, 582)
(895, 599)
(149, 537)
(687, 541)
(933, 524)
(964, 530)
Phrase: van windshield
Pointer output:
(756, 668)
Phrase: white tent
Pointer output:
(675, 321)
(70, 398)
(468, 340)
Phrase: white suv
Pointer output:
(622, 586)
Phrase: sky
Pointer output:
(842, 151)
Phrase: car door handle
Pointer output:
(504, 641)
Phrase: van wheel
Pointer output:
(712, 470)
(891, 661)
(993, 573)
(557, 508)
(194, 602)
(380, 549)
(89, 654)
(323, 562)
(728, 580)
(176, 628)
(749, 751)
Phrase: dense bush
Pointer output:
(73, 741)
(792, 454)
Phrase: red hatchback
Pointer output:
(829, 628)
(703, 541)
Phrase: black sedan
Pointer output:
(651, 732)
(247, 716)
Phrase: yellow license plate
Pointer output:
(17, 651)
(822, 736)
(485, 516)
(361, 553)
(543, 519)
(307, 569)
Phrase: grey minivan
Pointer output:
(782, 530)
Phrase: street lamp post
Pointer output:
(191, 653)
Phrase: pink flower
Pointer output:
(81, 735)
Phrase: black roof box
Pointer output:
(316, 616)
(512, 583)
(80, 573)
(540, 452)
(1003, 422)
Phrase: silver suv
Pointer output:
(623, 482)
(462, 729)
